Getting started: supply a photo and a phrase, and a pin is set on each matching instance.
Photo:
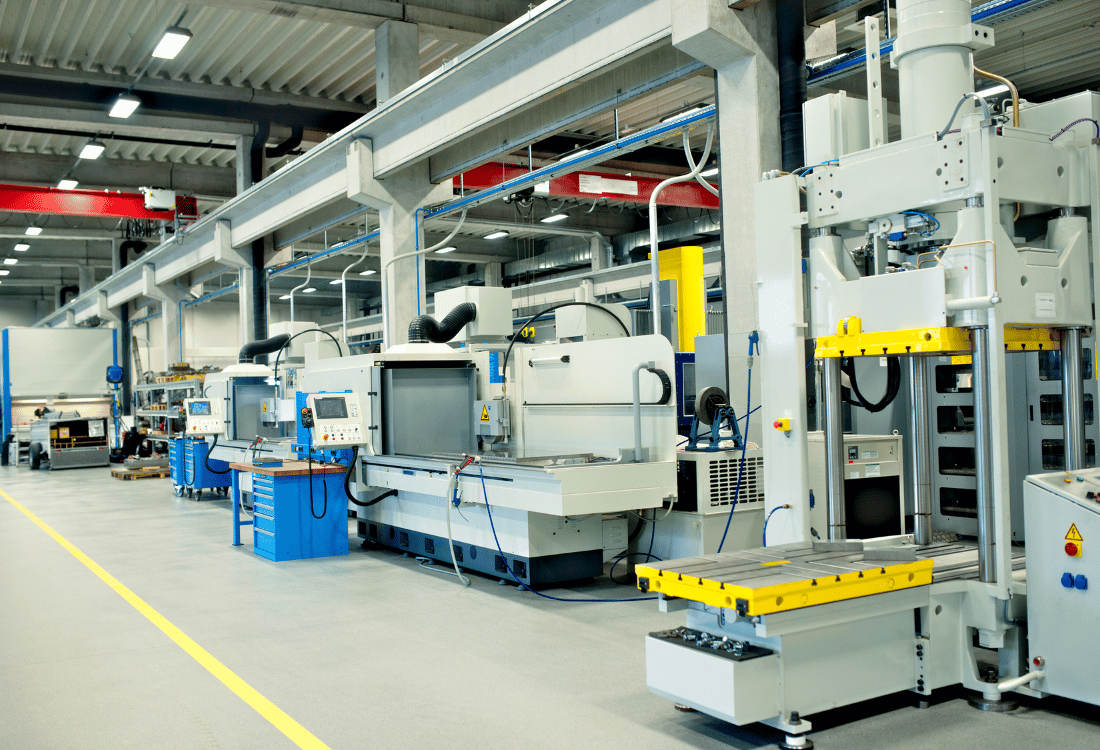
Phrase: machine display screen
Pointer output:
(199, 408)
(331, 408)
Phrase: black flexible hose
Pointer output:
(893, 385)
(339, 349)
(424, 328)
(253, 349)
(552, 308)
(347, 485)
(324, 484)
(206, 459)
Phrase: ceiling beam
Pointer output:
(47, 169)
(435, 19)
(166, 95)
(42, 114)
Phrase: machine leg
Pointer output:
(236, 491)
(1073, 406)
(834, 449)
(919, 450)
(796, 741)
(983, 445)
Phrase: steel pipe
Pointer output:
(834, 449)
(983, 456)
(1073, 399)
(919, 450)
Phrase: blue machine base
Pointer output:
(536, 572)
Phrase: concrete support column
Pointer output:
(116, 264)
(169, 296)
(397, 58)
(397, 199)
(85, 279)
(601, 253)
(244, 163)
(494, 274)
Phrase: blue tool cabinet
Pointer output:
(193, 476)
(283, 526)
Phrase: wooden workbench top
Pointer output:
(290, 469)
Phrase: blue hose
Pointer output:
(764, 540)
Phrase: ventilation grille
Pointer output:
(723, 483)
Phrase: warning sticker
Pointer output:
(1073, 535)
(485, 413)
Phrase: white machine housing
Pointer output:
(494, 311)
(874, 485)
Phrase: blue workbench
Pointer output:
(283, 525)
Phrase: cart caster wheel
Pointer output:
(178, 489)
(190, 492)
(198, 495)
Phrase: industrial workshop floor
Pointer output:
(367, 650)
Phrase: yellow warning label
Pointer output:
(1073, 535)
(485, 413)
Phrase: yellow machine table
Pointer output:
(786, 577)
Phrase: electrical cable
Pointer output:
(985, 111)
(451, 498)
(764, 540)
(206, 459)
(311, 330)
(347, 485)
(552, 308)
(625, 556)
(1065, 130)
(754, 339)
(508, 566)
(324, 484)
(893, 385)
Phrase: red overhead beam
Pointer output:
(587, 186)
(41, 200)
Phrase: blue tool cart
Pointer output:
(190, 454)
(287, 523)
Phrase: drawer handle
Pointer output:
(264, 532)
(265, 517)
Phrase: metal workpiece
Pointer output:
(983, 456)
(919, 450)
(1073, 399)
(834, 449)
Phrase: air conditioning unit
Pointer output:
(874, 485)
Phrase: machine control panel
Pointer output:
(338, 420)
(204, 416)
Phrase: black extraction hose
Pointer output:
(206, 459)
(424, 328)
(790, 24)
(552, 308)
(893, 385)
(253, 349)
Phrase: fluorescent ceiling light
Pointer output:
(310, 290)
(336, 281)
(92, 150)
(555, 217)
(710, 172)
(496, 235)
(10, 261)
(67, 185)
(22, 247)
(34, 231)
(998, 89)
(4, 272)
(685, 113)
(285, 296)
(172, 42)
(368, 272)
(124, 106)
(446, 250)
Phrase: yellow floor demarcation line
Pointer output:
(294, 731)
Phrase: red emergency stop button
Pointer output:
(325, 436)
(1071, 549)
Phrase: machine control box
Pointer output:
(204, 416)
(338, 420)
(491, 420)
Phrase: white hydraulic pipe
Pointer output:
(309, 272)
(698, 177)
(394, 259)
(973, 303)
(344, 291)
(655, 284)
(447, 499)
(1007, 685)
(637, 375)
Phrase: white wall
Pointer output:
(17, 312)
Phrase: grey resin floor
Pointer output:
(367, 650)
